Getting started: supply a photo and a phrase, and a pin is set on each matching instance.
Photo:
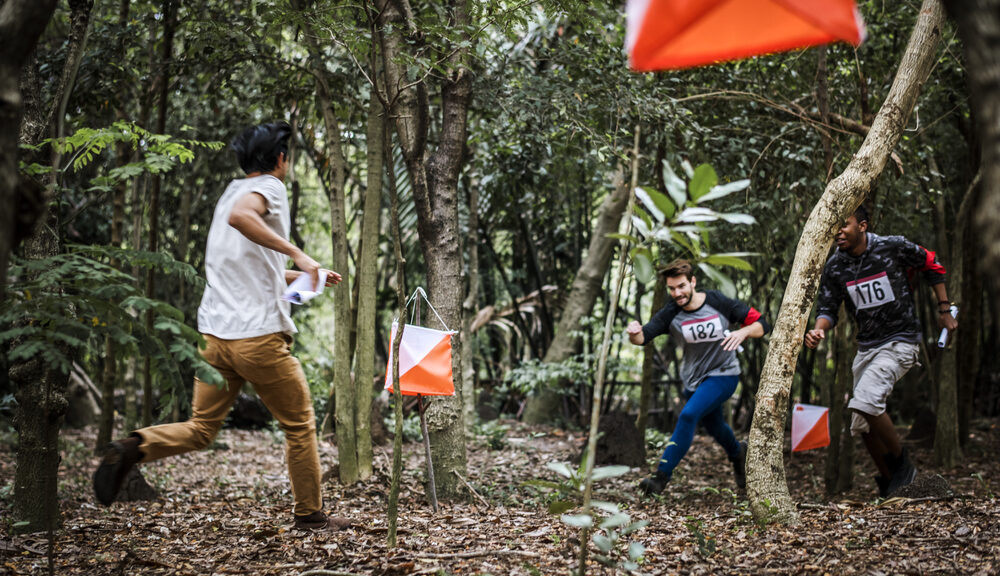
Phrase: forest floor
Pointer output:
(227, 511)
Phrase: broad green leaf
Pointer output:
(615, 521)
(734, 218)
(560, 468)
(697, 215)
(643, 265)
(560, 506)
(602, 472)
(640, 226)
(625, 237)
(603, 543)
(609, 507)
(703, 180)
(676, 188)
(578, 520)
(722, 281)
(724, 190)
(729, 260)
(663, 203)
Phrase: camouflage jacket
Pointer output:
(876, 288)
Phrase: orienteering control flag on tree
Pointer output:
(665, 34)
(424, 362)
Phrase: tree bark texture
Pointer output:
(970, 307)
(469, 307)
(648, 356)
(41, 408)
(343, 387)
(21, 24)
(979, 28)
(947, 451)
(766, 485)
(434, 177)
(163, 100)
(839, 475)
(367, 278)
(587, 286)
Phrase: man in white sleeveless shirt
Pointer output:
(248, 330)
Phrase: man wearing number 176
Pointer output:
(700, 321)
(871, 275)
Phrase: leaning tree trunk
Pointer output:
(434, 177)
(587, 286)
(979, 28)
(766, 485)
(469, 307)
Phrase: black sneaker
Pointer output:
(903, 472)
(120, 456)
(654, 484)
(883, 485)
(740, 467)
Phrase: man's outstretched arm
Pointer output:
(247, 216)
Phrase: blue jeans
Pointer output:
(705, 406)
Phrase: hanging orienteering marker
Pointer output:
(424, 370)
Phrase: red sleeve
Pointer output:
(931, 264)
(752, 316)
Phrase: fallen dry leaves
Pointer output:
(227, 511)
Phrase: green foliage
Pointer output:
(705, 542)
(493, 434)
(678, 220)
(411, 426)
(61, 307)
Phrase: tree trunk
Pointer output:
(587, 286)
(979, 28)
(947, 451)
(766, 485)
(21, 24)
(970, 306)
(163, 86)
(648, 356)
(839, 474)
(367, 278)
(434, 177)
(469, 307)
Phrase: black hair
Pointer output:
(258, 147)
(861, 215)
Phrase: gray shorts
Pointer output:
(875, 372)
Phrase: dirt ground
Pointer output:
(227, 511)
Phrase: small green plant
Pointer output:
(705, 542)
(411, 426)
(984, 485)
(569, 489)
(493, 434)
(614, 551)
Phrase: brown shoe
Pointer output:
(320, 521)
(119, 457)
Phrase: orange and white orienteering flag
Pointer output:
(670, 34)
(810, 427)
(424, 362)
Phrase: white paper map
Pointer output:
(301, 289)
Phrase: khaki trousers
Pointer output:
(277, 377)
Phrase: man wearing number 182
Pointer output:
(700, 321)
(871, 275)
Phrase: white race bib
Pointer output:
(871, 292)
(703, 330)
